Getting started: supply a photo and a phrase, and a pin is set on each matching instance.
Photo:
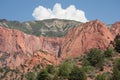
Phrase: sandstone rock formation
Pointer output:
(18, 48)
(115, 28)
(92, 34)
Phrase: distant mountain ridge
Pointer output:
(49, 27)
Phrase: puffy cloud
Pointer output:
(70, 13)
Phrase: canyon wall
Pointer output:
(18, 48)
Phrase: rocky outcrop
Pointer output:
(115, 28)
(80, 39)
(16, 47)
(14, 41)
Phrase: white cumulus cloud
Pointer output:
(70, 13)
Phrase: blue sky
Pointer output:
(105, 10)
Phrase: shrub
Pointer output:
(116, 74)
(43, 75)
(85, 62)
(30, 76)
(55, 77)
(116, 70)
(117, 45)
(117, 63)
(92, 74)
(95, 57)
(88, 69)
(100, 77)
(51, 69)
(77, 74)
(65, 68)
(108, 52)
(1, 70)
(108, 75)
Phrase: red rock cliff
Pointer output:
(89, 35)
(18, 48)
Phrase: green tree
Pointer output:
(77, 74)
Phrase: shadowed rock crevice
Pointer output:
(59, 52)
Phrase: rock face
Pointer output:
(92, 34)
(115, 28)
(12, 41)
(18, 48)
